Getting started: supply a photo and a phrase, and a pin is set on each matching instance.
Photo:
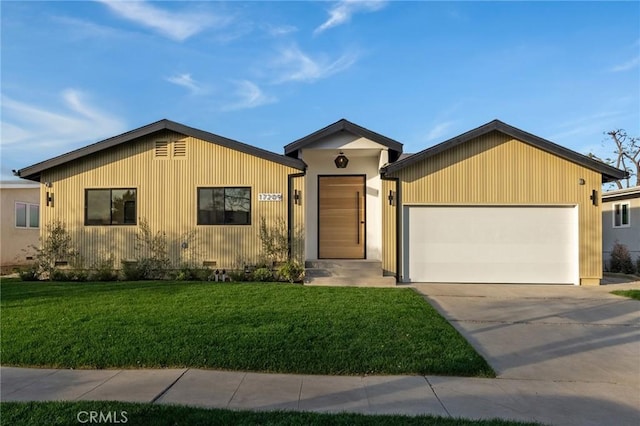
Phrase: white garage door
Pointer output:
(491, 244)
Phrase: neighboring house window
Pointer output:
(110, 206)
(224, 206)
(27, 215)
(621, 215)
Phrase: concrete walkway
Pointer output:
(549, 402)
(564, 356)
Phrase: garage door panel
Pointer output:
(491, 244)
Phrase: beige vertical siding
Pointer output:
(167, 198)
(388, 230)
(496, 169)
(298, 225)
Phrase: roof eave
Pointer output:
(33, 172)
(609, 173)
(342, 125)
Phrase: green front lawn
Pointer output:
(66, 413)
(251, 327)
(633, 294)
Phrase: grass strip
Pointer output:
(74, 413)
(633, 294)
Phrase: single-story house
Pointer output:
(495, 204)
(20, 223)
(621, 221)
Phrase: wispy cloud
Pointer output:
(591, 124)
(342, 12)
(626, 66)
(249, 95)
(31, 127)
(292, 64)
(186, 81)
(439, 130)
(279, 31)
(177, 26)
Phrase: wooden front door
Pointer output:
(341, 217)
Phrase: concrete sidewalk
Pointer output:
(549, 402)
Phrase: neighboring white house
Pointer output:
(621, 221)
(20, 222)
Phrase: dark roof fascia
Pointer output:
(338, 126)
(621, 194)
(33, 172)
(609, 173)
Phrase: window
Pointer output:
(27, 215)
(224, 206)
(621, 215)
(110, 206)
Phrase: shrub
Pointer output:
(638, 265)
(621, 259)
(55, 247)
(153, 259)
(262, 275)
(291, 271)
(102, 270)
(275, 239)
(78, 275)
(131, 271)
(236, 275)
(29, 274)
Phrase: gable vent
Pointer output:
(180, 148)
(162, 149)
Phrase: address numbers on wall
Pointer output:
(263, 196)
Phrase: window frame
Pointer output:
(86, 207)
(28, 207)
(615, 211)
(224, 188)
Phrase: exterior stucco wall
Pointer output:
(15, 240)
(365, 158)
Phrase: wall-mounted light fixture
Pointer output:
(341, 161)
(581, 181)
(594, 197)
(49, 199)
(48, 185)
(392, 198)
(297, 197)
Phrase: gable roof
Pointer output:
(33, 172)
(609, 173)
(343, 125)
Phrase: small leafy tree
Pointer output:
(55, 247)
(621, 259)
(153, 258)
(275, 239)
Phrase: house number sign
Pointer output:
(269, 196)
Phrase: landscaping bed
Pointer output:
(284, 328)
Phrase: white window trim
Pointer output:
(28, 223)
(613, 216)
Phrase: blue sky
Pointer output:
(268, 73)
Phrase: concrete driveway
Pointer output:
(540, 332)
(555, 337)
